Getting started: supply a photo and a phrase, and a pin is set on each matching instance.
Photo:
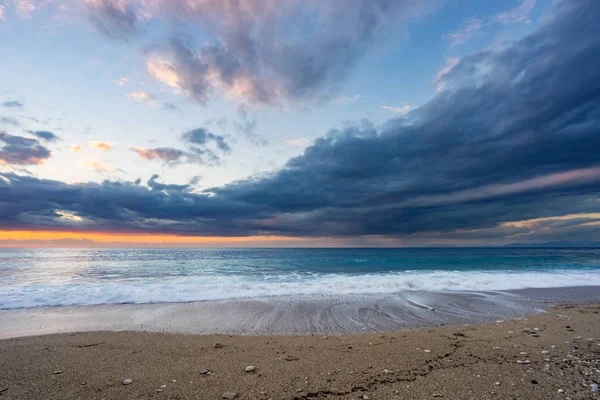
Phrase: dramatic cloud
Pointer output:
(202, 137)
(12, 104)
(465, 32)
(45, 135)
(104, 146)
(519, 14)
(508, 147)
(263, 51)
(18, 150)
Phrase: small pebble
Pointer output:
(250, 368)
(560, 391)
(57, 372)
(229, 395)
(427, 351)
(127, 381)
(218, 345)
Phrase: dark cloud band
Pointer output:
(514, 135)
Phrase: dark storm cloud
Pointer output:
(45, 135)
(114, 206)
(513, 136)
(18, 150)
(203, 137)
(12, 104)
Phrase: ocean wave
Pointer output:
(220, 287)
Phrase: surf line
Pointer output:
(419, 305)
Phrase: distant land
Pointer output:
(558, 243)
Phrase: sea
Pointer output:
(31, 278)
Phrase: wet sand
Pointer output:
(315, 314)
(550, 355)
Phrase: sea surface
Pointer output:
(62, 277)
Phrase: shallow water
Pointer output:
(299, 314)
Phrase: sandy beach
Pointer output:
(551, 355)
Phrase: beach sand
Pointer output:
(552, 355)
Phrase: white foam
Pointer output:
(199, 288)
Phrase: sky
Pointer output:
(299, 123)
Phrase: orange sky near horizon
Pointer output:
(25, 238)
(111, 238)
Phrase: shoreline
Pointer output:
(550, 355)
(293, 315)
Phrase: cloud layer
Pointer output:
(12, 104)
(45, 135)
(263, 51)
(19, 150)
(198, 151)
(511, 136)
